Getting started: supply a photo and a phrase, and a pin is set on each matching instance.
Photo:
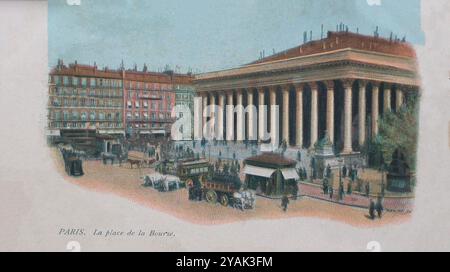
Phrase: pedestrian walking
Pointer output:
(341, 191)
(349, 188)
(328, 171)
(367, 189)
(325, 186)
(285, 203)
(331, 191)
(372, 210)
(344, 171)
(379, 207)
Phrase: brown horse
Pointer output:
(132, 162)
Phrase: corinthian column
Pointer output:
(387, 97)
(262, 115)
(274, 126)
(212, 105)
(286, 114)
(205, 128)
(220, 115)
(299, 115)
(251, 116)
(330, 109)
(375, 92)
(348, 117)
(198, 117)
(314, 113)
(240, 135)
(230, 116)
(398, 99)
(362, 114)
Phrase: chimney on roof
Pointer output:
(310, 35)
(321, 32)
(145, 68)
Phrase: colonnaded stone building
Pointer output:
(341, 84)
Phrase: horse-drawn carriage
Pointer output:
(72, 163)
(225, 189)
(190, 170)
(139, 159)
(162, 183)
(74, 166)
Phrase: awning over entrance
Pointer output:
(290, 173)
(258, 171)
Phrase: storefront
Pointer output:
(271, 175)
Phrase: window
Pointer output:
(83, 116)
(56, 79)
(129, 104)
(118, 117)
(136, 104)
(75, 81)
(93, 82)
(84, 82)
(66, 80)
(129, 115)
(75, 115)
(92, 116)
(145, 104)
(58, 115)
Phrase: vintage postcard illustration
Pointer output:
(323, 125)
(203, 125)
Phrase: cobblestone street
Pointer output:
(125, 182)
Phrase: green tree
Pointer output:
(398, 131)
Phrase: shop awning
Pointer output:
(258, 171)
(290, 173)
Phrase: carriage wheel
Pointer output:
(211, 197)
(224, 200)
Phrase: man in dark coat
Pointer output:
(325, 186)
(379, 207)
(284, 203)
(344, 171)
(328, 171)
(331, 191)
(372, 210)
(341, 191)
(367, 189)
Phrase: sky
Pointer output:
(209, 35)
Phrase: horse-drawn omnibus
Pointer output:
(224, 189)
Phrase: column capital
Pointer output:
(388, 85)
(314, 85)
(348, 83)
(286, 88)
(362, 83)
(272, 88)
(329, 84)
(299, 86)
(375, 83)
(250, 90)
